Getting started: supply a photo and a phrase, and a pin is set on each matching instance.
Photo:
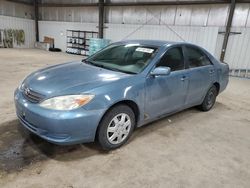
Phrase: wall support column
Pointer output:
(36, 19)
(228, 29)
(101, 18)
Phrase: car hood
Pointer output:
(70, 78)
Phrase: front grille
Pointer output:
(32, 96)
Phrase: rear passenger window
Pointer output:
(173, 59)
(196, 57)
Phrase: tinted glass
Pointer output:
(129, 58)
(196, 57)
(173, 59)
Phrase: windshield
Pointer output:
(128, 58)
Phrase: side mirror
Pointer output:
(161, 71)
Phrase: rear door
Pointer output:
(201, 74)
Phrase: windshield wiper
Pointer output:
(106, 67)
(92, 63)
(119, 70)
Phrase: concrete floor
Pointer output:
(188, 149)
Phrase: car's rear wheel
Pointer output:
(209, 99)
(116, 127)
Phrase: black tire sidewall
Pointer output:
(102, 129)
(204, 106)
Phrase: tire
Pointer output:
(116, 127)
(209, 99)
(55, 49)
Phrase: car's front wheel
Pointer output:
(209, 99)
(116, 127)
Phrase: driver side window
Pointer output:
(172, 59)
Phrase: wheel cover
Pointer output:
(119, 128)
(210, 99)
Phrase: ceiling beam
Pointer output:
(152, 3)
(159, 3)
(21, 2)
(135, 3)
(69, 5)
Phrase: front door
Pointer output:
(165, 94)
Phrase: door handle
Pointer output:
(211, 71)
(183, 78)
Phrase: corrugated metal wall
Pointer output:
(198, 24)
(203, 36)
(195, 15)
(238, 52)
(18, 16)
(188, 15)
(7, 22)
(57, 30)
(16, 10)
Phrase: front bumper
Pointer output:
(59, 127)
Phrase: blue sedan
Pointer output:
(126, 85)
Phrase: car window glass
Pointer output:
(173, 59)
(129, 58)
(196, 57)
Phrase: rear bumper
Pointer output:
(58, 127)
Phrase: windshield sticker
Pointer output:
(145, 50)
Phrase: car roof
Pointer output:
(152, 42)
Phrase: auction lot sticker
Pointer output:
(145, 50)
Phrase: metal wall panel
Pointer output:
(77, 14)
(199, 15)
(53, 14)
(194, 15)
(168, 15)
(203, 36)
(219, 42)
(134, 15)
(240, 15)
(183, 15)
(238, 49)
(27, 25)
(61, 15)
(248, 18)
(90, 14)
(8, 9)
(153, 15)
(114, 15)
(218, 15)
(16, 10)
(68, 14)
(57, 30)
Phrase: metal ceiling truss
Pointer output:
(108, 3)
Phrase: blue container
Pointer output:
(96, 44)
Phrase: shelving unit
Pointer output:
(78, 41)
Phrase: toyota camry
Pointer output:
(125, 85)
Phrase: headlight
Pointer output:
(68, 102)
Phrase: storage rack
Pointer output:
(78, 41)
